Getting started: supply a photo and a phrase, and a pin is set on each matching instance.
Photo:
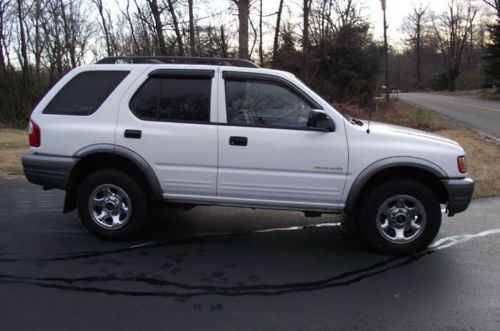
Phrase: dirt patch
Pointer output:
(13, 144)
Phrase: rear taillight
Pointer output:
(34, 134)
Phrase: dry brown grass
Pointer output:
(484, 159)
(483, 154)
(13, 144)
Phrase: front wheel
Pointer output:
(112, 205)
(400, 217)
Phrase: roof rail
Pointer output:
(178, 60)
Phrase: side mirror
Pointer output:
(320, 121)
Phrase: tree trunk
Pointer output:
(3, 10)
(452, 78)
(261, 51)
(418, 53)
(132, 29)
(69, 43)
(277, 33)
(100, 8)
(153, 5)
(192, 41)
(223, 41)
(243, 16)
(37, 51)
(305, 38)
(171, 10)
(24, 50)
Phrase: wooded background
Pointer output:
(327, 43)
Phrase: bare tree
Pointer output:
(495, 4)
(100, 9)
(175, 23)
(4, 5)
(192, 40)
(451, 31)
(128, 18)
(261, 50)
(147, 30)
(36, 41)
(306, 43)
(243, 17)
(223, 44)
(414, 28)
(23, 59)
(306, 10)
(158, 25)
(277, 32)
(347, 13)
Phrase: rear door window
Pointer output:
(85, 93)
(173, 99)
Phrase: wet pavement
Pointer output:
(217, 268)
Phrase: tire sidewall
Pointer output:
(373, 200)
(137, 197)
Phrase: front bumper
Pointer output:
(459, 194)
(47, 170)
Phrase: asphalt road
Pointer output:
(233, 269)
(479, 114)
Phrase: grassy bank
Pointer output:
(13, 144)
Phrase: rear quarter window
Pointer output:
(85, 93)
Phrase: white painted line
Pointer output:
(453, 240)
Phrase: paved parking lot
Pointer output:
(238, 269)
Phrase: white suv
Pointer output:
(127, 131)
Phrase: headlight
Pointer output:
(462, 164)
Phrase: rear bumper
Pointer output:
(459, 194)
(47, 170)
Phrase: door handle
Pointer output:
(133, 134)
(238, 141)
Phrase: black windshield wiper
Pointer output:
(354, 121)
(357, 122)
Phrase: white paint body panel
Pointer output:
(282, 165)
(65, 135)
(182, 155)
(279, 168)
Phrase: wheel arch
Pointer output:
(399, 167)
(107, 156)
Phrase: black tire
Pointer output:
(126, 195)
(381, 197)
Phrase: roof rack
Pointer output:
(178, 60)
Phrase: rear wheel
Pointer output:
(400, 217)
(112, 205)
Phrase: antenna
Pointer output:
(370, 116)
